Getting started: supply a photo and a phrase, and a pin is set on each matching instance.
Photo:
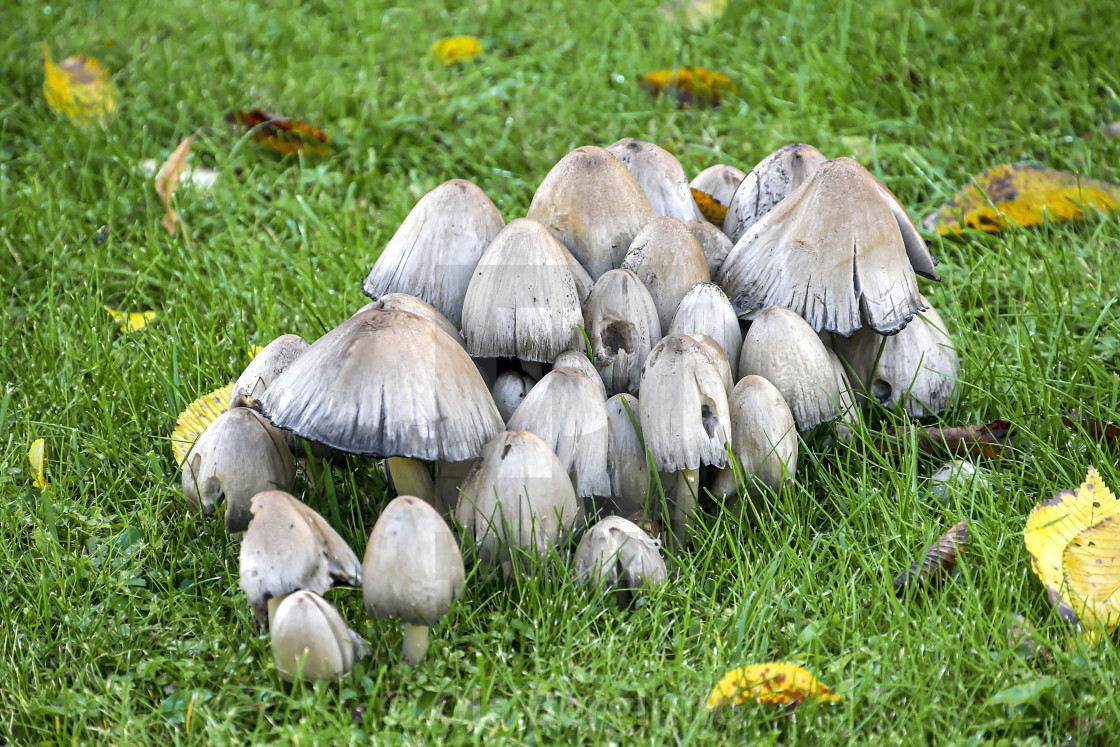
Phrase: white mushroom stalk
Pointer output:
(661, 177)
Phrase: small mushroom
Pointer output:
(764, 438)
(668, 259)
(623, 326)
(236, 457)
(509, 390)
(594, 206)
(616, 553)
(767, 184)
(269, 363)
(435, 250)
(719, 182)
(661, 177)
(705, 310)
(287, 547)
(714, 242)
(310, 640)
(412, 571)
(957, 474)
(579, 361)
(626, 455)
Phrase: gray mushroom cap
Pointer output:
(834, 252)
(782, 348)
(437, 246)
(715, 354)
(849, 406)
(568, 412)
(617, 552)
(764, 438)
(412, 569)
(705, 310)
(236, 457)
(626, 455)
(269, 363)
(579, 361)
(509, 390)
(623, 326)
(417, 306)
(594, 206)
(310, 640)
(661, 177)
(768, 183)
(714, 242)
(288, 547)
(719, 182)
(683, 406)
(668, 259)
(386, 383)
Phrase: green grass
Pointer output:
(122, 620)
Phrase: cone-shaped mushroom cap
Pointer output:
(719, 181)
(668, 259)
(417, 306)
(522, 301)
(764, 439)
(517, 495)
(412, 570)
(623, 326)
(661, 177)
(433, 253)
(269, 363)
(782, 348)
(683, 406)
(568, 412)
(768, 183)
(616, 552)
(715, 354)
(288, 547)
(386, 383)
(592, 203)
(509, 390)
(833, 251)
(705, 310)
(582, 280)
(579, 361)
(918, 366)
(626, 456)
(714, 242)
(235, 458)
(310, 640)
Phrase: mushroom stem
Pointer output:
(415, 643)
(273, 604)
(411, 477)
(684, 504)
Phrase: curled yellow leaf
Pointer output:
(38, 471)
(196, 418)
(453, 49)
(776, 683)
(712, 209)
(131, 321)
(78, 87)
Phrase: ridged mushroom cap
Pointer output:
(660, 176)
(683, 406)
(764, 438)
(719, 182)
(522, 301)
(386, 383)
(714, 242)
(768, 183)
(617, 552)
(668, 259)
(417, 306)
(509, 390)
(310, 640)
(705, 310)
(715, 354)
(626, 455)
(594, 206)
(623, 326)
(437, 246)
(781, 347)
(269, 363)
(579, 361)
(835, 251)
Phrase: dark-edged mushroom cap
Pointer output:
(719, 182)
(417, 306)
(626, 455)
(833, 252)
(594, 206)
(579, 361)
(668, 259)
(764, 438)
(771, 181)
(623, 326)
(269, 363)
(705, 310)
(661, 177)
(509, 390)
(714, 243)
(310, 640)
(437, 246)
(615, 552)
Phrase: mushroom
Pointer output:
(849, 409)
(623, 326)
(626, 455)
(517, 496)
(269, 363)
(616, 553)
(388, 384)
(579, 361)
(661, 177)
(782, 348)
(668, 259)
(509, 390)
(522, 301)
(715, 354)
(719, 182)
(714, 243)
(957, 474)
(288, 547)
(705, 310)
(917, 367)
(767, 184)
(236, 457)
(417, 306)
(437, 246)
(310, 640)
(412, 571)
(838, 250)
(594, 206)
(764, 438)
(684, 417)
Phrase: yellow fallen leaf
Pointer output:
(1022, 195)
(253, 350)
(775, 683)
(690, 86)
(38, 471)
(711, 208)
(78, 87)
(131, 321)
(692, 14)
(1092, 565)
(453, 49)
(196, 418)
(168, 179)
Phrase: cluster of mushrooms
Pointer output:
(613, 354)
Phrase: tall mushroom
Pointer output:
(626, 455)
(623, 326)
(705, 310)
(767, 184)
(764, 438)
(661, 177)
(668, 259)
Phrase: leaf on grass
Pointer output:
(1106, 433)
(938, 562)
(200, 178)
(692, 14)
(167, 180)
(78, 87)
(776, 683)
(38, 470)
(1019, 196)
(281, 134)
(712, 209)
(990, 440)
(131, 321)
(454, 49)
(253, 350)
(690, 86)
(1025, 693)
(196, 418)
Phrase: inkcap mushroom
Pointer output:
(661, 178)
(764, 439)
(623, 326)
(616, 554)
(310, 640)
(767, 184)
(705, 310)
(668, 259)
(269, 363)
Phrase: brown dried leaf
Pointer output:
(991, 440)
(167, 180)
(938, 562)
(281, 134)
(1106, 433)
(652, 527)
(712, 209)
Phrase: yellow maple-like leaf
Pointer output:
(196, 418)
(38, 471)
(692, 14)
(168, 179)
(453, 49)
(1022, 195)
(711, 208)
(78, 87)
(1092, 565)
(775, 683)
(131, 321)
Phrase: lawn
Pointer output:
(122, 620)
